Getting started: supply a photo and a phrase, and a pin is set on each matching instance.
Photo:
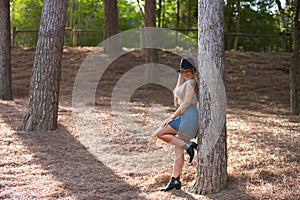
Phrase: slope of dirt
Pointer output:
(114, 163)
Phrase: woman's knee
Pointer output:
(159, 133)
(178, 150)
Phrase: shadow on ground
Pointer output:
(62, 155)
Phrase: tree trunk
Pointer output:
(212, 152)
(237, 27)
(189, 14)
(159, 13)
(295, 61)
(282, 15)
(111, 27)
(73, 6)
(44, 90)
(151, 55)
(5, 52)
(140, 8)
(229, 12)
(150, 36)
(177, 14)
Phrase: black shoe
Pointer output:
(190, 150)
(173, 183)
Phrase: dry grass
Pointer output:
(263, 139)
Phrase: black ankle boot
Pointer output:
(173, 183)
(190, 150)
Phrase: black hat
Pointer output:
(186, 63)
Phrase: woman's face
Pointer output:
(187, 74)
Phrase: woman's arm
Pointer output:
(189, 92)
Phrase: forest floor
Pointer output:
(113, 163)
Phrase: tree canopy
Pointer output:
(261, 18)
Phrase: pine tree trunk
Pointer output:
(177, 14)
(229, 11)
(5, 52)
(237, 26)
(44, 90)
(212, 152)
(111, 27)
(295, 62)
(150, 36)
(151, 55)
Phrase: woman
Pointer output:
(182, 125)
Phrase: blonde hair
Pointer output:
(181, 80)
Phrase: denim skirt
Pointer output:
(187, 123)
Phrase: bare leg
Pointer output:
(179, 161)
(168, 134)
(179, 156)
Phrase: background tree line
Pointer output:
(268, 18)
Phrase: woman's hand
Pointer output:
(167, 121)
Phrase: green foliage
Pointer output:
(243, 70)
(232, 60)
(86, 15)
(256, 17)
(25, 14)
(129, 16)
(258, 22)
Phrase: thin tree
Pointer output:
(237, 26)
(5, 52)
(159, 11)
(229, 11)
(177, 14)
(111, 27)
(282, 15)
(151, 55)
(140, 8)
(73, 7)
(295, 61)
(212, 154)
(150, 36)
(45, 82)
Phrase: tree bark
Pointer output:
(229, 12)
(151, 55)
(5, 52)
(295, 61)
(44, 90)
(177, 14)
(212, 152)
(111, 27)
(237, 26)
(73, 6)
(150, 36)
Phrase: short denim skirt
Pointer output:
(187, 123)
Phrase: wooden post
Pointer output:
(142, 37)
(14, 34)
(283, 40)
(74, 37)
